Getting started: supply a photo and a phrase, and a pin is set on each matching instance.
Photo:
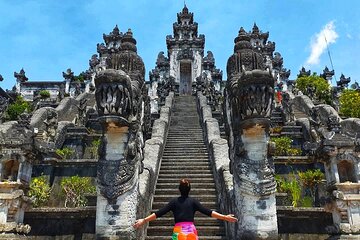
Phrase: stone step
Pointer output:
(184, 160)
(184, 167)
(177, 138)
(186, 175)
(168, 197)
(162, 179)
(187, 148)
(200, 220)
(194, 191)
(168, 237)
(187, 170)
(175, 185)
(185, 151)
(167, 230)
(207, 204)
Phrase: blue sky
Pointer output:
(47, 37)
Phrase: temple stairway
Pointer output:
(185, 156)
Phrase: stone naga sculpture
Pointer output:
(122, 113)
(248, 104)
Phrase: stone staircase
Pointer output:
(185, 156)
(298, 113)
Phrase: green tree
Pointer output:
(39, 191)
(75, 188)
(16, 108)
(65, 153)
(94, 148)
(79, 78)
(350, 103)
(322, 89)
(44, 94)
(311, 179)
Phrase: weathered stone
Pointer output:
(212, 130)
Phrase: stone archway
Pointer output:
(10, 170)
(185, 78)
(346, 171)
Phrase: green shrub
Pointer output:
(75, 188)
(44, 94)
(294, 152)
(95, 148)
(320, 85)
(276, 129)
(306, 201)
(65, 153)
(349, 103)
(282, 145)
(310, 179)
(16, 108)
(39, 191)
(293, 187)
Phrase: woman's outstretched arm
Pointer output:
(229, 217)
(142, 221)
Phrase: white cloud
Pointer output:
(318, 42)
(349, 36)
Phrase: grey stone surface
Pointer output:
(303, 103)
(324, 111)
(206, 113)
(159, 130)
(351, 127)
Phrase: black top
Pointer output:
(184, 209)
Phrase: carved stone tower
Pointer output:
(121, 107)
(185, 50)
(249, 97)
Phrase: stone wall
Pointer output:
(219, 158)
(153, 152)
(61, 223)
(293, 223)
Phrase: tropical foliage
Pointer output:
(75, 188)
(320, 87)
(44, 94)
(283, 147)
(350, 103)
(65, 153)
(39, 191)
(16, 108)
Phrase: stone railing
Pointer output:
(219, 157)
(153, 152)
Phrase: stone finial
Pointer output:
(113, 36)
(255, 29)
(327, 74)
(277, 61)
(68, 75)
(20, 76)
(304, 73)
(94, 61)
(285, 73)
(343, 83)
(128, 42)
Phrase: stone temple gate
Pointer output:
(134, 139)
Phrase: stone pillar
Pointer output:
(122, 108)
(249, 97)
(254, 186)
(117, 197)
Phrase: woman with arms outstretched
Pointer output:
(184, 208)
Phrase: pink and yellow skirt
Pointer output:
(184, 231)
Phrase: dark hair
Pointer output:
(184, 187)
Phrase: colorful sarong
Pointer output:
(184, 231)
